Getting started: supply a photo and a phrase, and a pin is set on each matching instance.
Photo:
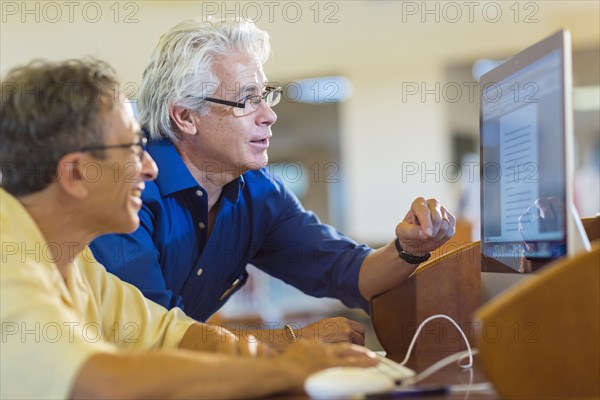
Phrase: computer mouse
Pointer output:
(347, 382)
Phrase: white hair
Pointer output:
(180, 72)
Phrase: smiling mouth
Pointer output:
(136, 192)
(263, 142)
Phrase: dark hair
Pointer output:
(47, 110)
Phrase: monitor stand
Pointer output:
(494, 283)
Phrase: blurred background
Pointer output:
(381, 101)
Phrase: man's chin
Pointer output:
(131, 226)
(254, 166)
(123, 229)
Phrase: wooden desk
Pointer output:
(453, 279)
(552, 348)
(450, 375)
(449, 284)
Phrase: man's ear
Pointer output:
(70, 175)
(183, 120)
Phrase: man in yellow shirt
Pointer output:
(73, 166)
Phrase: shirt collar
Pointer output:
(174, 176)
(232, 190)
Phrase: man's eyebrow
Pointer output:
(250, 89)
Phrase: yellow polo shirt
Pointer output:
(51, 327)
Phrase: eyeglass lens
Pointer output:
(252, 103)
(140, 148)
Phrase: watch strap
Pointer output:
(410, 258)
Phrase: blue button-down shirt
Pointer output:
(173, 261)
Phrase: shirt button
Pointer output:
(199, 272)
(199, 193)
(201, 225)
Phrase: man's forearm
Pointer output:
(383, 270)
(328, 330)
(278, 339)
(184, 374)
(213, 338)
(210, 338)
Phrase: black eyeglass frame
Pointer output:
(142, 144)
(242, 104)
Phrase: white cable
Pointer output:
(470, 384)
(445, 361)
(441, 364)
(416, 335)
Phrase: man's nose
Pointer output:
(149, 167)
(266, 115)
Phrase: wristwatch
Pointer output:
(410, 258)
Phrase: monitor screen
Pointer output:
(523, 132)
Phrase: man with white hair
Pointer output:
(207, 105)
(73, 165)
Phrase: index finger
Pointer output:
(423, 215)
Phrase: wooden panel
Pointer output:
(447, 285)
(542, 339)
(462, 236)
(592, 228)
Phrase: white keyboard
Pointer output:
(393, 369)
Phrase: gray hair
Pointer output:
(180, 72)
(48, 110)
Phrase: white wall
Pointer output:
(379, 45)
(387, 140)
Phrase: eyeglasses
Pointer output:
(138, 147)
(271, 95)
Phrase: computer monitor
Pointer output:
(526, 167)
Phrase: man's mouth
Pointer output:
(265, 140)
(261, 142)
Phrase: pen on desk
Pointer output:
(235, 284)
